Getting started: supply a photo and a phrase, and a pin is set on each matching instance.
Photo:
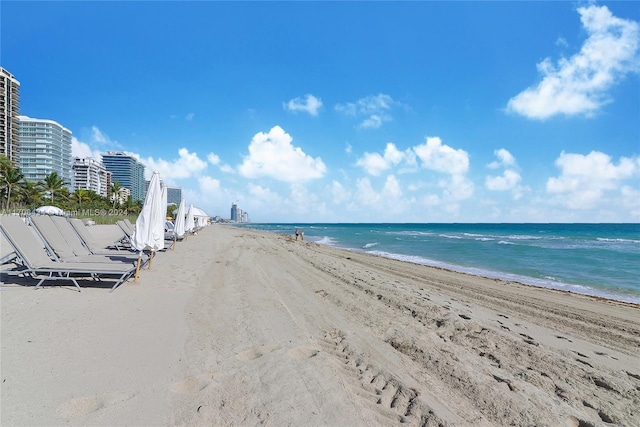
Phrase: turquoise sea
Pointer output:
(593, 259)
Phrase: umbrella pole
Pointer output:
(151, 259)
(175, 239)
(135, 279)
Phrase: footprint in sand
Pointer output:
(255, 353)
(83, 406)
(80, 406)
(302, 352)
(189, 385)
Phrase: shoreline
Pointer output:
(575, 288)
(244, 327)
(505, 277)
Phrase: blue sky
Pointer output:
(350, 111)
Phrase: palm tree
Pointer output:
(81, 195)
(30, 192)
(115, 192)
(133, 206)
(53, 183)
(11, 177)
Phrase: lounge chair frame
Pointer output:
(34, 262)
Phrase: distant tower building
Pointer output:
(9, 111)
(245, 217)
(174, 195)
(127, 171)
(234, 212)
(44, 147)
(90, 174)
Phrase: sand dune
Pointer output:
(238, 327)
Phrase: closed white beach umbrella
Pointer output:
(180, 223)
(164, 204)
(149, 232)
(189, 223)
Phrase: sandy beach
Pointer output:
(239, 328)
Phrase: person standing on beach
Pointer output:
(297, 233)
(302, 235)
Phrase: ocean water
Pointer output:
(594, 259)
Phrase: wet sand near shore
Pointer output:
(239, 327)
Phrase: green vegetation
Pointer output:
(19, 195)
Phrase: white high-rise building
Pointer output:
(91, 174)
(44, 147)
(9, 111)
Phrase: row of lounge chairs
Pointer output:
(52, 248)
(128, 228)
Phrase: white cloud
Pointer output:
(272, 155)
(185, 166)
(213, 158)
(562, 42)
(339, 194)
(82, 150)
(456, 187)
(391, 190)
(510, 178)
(507, 181)
(441, 158)
(430, 200)
(98, 136)
(374, 163)
(190, 116)
(374, 121)
(301, 199)
(433, 155)
(90, 149)
(365, 194)
(578, 85)
(209, 186)
(263, 195)
(373, 109)
(587, 181)
(631, 202)
(436, 156)
(504, 159)
(309, 104)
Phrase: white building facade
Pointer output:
(44, 147)
(90, 174)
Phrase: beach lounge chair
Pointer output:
(87, 237)
(80, 248)
(34, 261)
(128, 229)
(124, 241)
(65, 246)
(7, 254)
(56, 244)
(131, 226)
(170, 235)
